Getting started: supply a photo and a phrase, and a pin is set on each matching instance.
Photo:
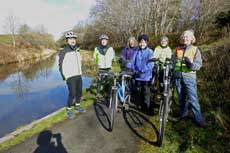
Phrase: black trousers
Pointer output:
(75, 90)
(105, 82)
(143, 94)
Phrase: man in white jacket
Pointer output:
(70, 69)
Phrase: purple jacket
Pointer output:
(127, 53)
(140, 65)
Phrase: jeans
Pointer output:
(187, 88)
(75, 90)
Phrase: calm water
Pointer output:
(31, 91)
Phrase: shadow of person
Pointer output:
(137, 122)
(47, 145)
(101, 111)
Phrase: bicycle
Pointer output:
(166, 97)
(124, 91)
(119, 92)
(155, 76)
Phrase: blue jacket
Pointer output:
(140, 65)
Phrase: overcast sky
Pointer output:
(57, 16)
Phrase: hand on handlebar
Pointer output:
(138, 74)
(152, 60)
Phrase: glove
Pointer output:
(138, 74)
(187, 61)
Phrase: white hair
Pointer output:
(190, 33)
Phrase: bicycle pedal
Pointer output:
(126, 106)
(118, 110)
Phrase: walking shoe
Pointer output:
(70, 114)
(80, 109)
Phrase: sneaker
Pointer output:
(70, 114)
(80, 109)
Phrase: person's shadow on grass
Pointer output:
(46, 145)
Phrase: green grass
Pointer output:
(5, 39)
(186, 137)
(45, 124)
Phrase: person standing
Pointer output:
(127, 53)
(162, 52)
(103, 55)
(188, 60)
(143, 72)
(70, 69)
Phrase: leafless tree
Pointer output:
(11, 26)
(124, 18)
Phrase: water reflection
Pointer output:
(29, 91)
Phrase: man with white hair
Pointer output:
(187, 59)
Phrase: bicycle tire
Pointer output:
(162, 119)
(113, 105)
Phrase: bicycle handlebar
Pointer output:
(127, 73)
(157, 60)
(116, 74)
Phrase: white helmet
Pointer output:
(70, 34)
(103, 36)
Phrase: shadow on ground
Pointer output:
(49, 143)
(137, 122)
(101, 110)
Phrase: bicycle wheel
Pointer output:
(113, 107)
(162, 118)
(170, 101)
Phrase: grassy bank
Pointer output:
(8, 55)
(23, 50)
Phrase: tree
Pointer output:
(200, 15)
(121, 19)
(23, 29)
(11, 27)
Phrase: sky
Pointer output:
(57, 16)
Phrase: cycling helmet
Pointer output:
(103, 36)
(144, 37)
(70, 34)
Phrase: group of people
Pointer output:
(135, 56)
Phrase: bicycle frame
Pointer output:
(123, 89)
